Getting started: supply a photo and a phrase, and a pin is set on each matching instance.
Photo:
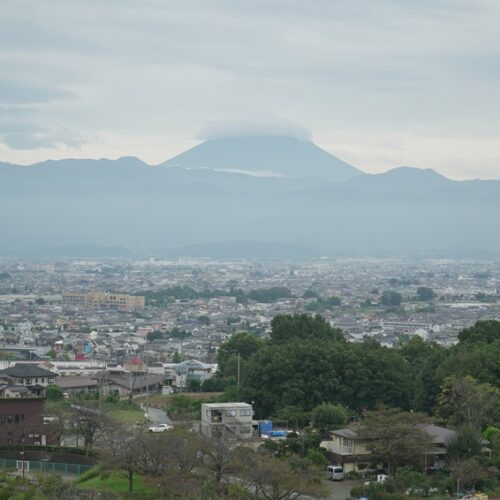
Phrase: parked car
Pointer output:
(335, 473)
(159, 428)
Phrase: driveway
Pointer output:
(341, 490)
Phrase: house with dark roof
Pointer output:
(347, 448)
(78, 385)
(129, 384)
(33, 377)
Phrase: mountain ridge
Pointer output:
(121, 202)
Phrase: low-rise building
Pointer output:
(234, 418)
(22, 423)
(104, 300)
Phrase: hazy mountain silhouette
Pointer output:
(281, 155)
(315, 204)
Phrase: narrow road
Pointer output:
(156, 416)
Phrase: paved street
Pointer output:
(340, 490)
(156, 416)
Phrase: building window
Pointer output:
(16, 418)
(2, 419)
(245, 412)
(9, 419)
(231, 413)
(347, 444)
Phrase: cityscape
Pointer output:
(203, 302)
(249, 250)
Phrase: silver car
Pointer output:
(335, 473)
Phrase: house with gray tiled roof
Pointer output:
(33, 377)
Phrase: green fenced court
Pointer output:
(50, 467)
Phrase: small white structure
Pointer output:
(233, 418)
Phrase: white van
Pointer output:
(335, 473)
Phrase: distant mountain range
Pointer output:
(243, 196)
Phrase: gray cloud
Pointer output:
(128, 72)
(263, 125)
(20, 92)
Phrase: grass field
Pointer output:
(117, 482)
(127, 416)
(167, 400)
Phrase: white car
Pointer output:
(159, 428)
(335, 473)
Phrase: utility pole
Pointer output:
(147, 389)
(239, 370)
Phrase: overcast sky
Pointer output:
(378, 83)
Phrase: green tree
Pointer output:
(155, 335)
(395, 437)
(54, 393)
(51, 354)
(177, 357)
(333, 301)
(328, 416)
(242, 344)
(293, 416)
(194, 385)
(268, 295)
(464, 444)
(424, 359)
(466, 402)
(425, 293)
(391, 298)
(483, 332)
(305, 373)
(302, 326)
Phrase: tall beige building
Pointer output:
(104, 300)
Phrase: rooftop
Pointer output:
(24, 371)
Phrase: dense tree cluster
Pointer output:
(391, 298)
(166, 295)
(320, 304)
(425, 293)
(306, 362)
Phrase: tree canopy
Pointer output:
(425, 293)
(396, 438)
(304, 327)
(391, 298)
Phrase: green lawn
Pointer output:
(117, 482)
(127, 416)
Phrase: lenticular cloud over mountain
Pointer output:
(254, 127)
